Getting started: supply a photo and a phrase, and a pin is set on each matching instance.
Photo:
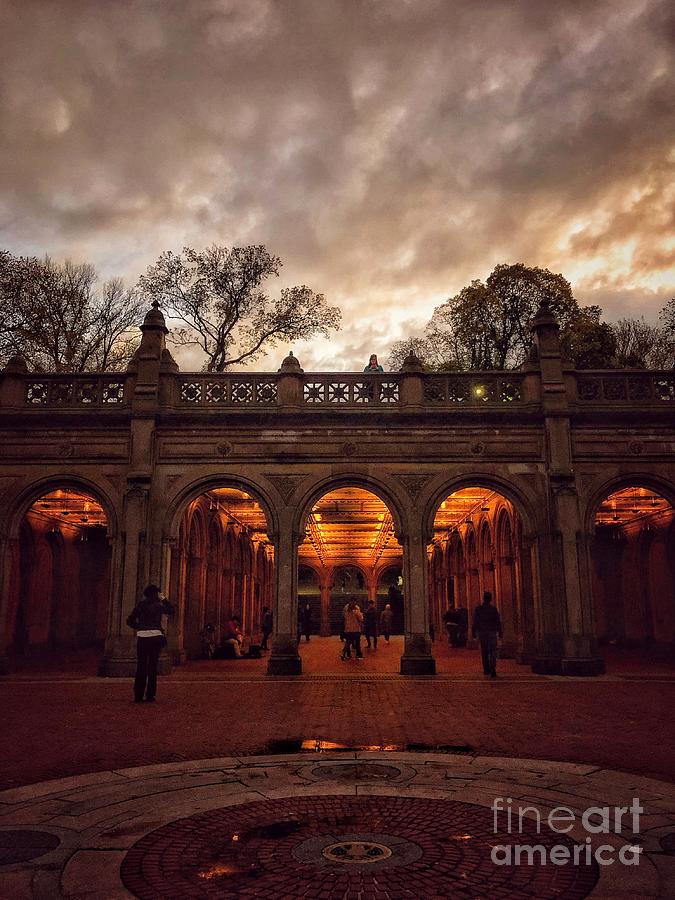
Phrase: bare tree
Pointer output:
(641, 345)
(218, 296)
(61, 320)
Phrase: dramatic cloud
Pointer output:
(388, 150)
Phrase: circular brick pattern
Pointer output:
(356, 772)
(248, 851)
(21, 845)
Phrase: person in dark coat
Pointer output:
(370, 624)
(305, 621)
(267, 625)
(386, 621)
(487, 627)
(146, 620)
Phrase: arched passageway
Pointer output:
(352, 552)
(222, 566)
(633, 572)
(478, 547)
(59, 599)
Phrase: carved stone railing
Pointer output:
(228, 390)
(636, 388)
(74, 391)
(351, 390)
(473, 389)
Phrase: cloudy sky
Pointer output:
(388, 150)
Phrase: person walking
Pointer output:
(386, 621)
(146, 620)
(267, 626)
(487, 627)
(370, 624)
(353, 620)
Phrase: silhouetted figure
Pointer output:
(487, 627)
(146, 620)
(370, 624)
(267, 626)
(386, 622)
(305, 621)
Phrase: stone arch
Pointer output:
(631, 567)
(17, 509)
(75, 607)
(179, 502)
(386, 491)
(638, 479)
(508, 489)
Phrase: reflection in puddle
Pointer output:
(318, 745)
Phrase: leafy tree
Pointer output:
(487, 326)
(60, 319)
(218, 295)
(587, 342)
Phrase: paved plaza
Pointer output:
(348, 782)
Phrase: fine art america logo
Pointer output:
(596, 820)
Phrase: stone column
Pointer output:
(150, 362)
(120, 651)
(9, 590)
(325, 586)
(417, 658)
(566, 640)
(284, 658)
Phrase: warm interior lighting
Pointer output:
(69, 507)
(628, 505)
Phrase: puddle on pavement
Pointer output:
(317, 745)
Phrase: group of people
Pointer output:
(369, 624)
(232, 641)
(147, 619)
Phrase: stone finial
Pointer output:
(544, 315)
(154, 319)
(16, 364)
(291, 365)
(412, 363)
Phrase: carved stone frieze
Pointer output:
(414, 483)
(285, 484)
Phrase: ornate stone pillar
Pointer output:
(284, 658)
(325, 586)
(566, 640)
(417, 658)
(120, 652)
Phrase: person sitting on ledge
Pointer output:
(373, 366)
(232, 637)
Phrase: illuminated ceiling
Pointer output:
(463, 508)
(70, 508)
(630, 505)
(350, 524)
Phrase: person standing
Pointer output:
(370, 624)
(146, 620)
(373, 366)
(487, 627)
(353, 620)
(267, 626)
(386, 621)
(305, 621)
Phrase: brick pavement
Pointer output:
(53, 728)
